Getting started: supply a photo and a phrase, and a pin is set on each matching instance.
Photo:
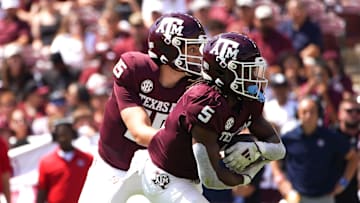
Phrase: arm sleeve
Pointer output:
(126, 97)
(124, 89)
(203, 113)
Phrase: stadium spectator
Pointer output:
(76, 95)
(56, 107)
(215, 27)
(312, 156)
(223, 10)
(105, 61)
(124, 8)
(349, 126)
(318, 84)
(15, 74)
(7, 105)
(151, 10)
(62, 172)
(136, 39)
(20, 128)
(305, 35)
(99, 89)
(340, 81)
(87, 130)
(60, 76)
(282, 108)
(108, 29)
(271, 42)
(71, 41)
(291, 65)
(34, 101)
(200, 10)
(244, 23)
(279, 111)
(5, 170)
(12, 28)
(45, 23)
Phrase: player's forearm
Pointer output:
(143, 137)
(351, 165)
(264, 131)
(271, 151)
(211, 176)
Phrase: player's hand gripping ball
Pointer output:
(241, 152)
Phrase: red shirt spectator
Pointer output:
(223, 11)
(272, 45)
(245, 17)
(5, 170)
(271, 42)
(12, 29)
(137, 40)
(55, 174)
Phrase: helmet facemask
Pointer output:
(189, 60)
(249, 79)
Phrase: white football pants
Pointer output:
(104, 181)
(160, 186)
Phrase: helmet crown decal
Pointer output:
(170, 26)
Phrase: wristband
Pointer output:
(343, 182)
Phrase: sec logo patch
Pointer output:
(147, 86)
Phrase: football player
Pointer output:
(145, 90)
(230, 98)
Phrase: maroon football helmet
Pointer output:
(234, 63)
(170, 37)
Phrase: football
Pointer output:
(244, 156)
(244, 137)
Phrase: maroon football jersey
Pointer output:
(171, 148)
(136, 84)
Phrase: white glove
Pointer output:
(240, 155)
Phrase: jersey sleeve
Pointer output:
(125, 97)
(204, 111)
(125, 87)
(123, 71)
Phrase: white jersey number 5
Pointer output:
(205, 114)
(119, 68)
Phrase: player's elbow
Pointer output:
(141, 139)
(144, 136)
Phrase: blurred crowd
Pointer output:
(57, 57)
